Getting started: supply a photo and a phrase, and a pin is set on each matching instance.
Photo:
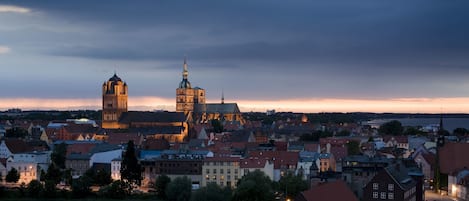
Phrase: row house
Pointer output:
(83, 156)
(358, 170)
(283, 161)
(29, 165)
(224, 171)
(391, 183)
(252, 164)
(459, 182)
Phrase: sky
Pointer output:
(301, 56)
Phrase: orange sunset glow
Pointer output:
(413, 105)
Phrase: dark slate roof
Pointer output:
(74, 156)
(217, 108)
(104, 147)
(240, 136)
(158, 130)
(115, 78)
(128, 117)
(400, 174)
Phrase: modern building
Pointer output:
(224, 171)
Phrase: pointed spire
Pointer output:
(185, 72)
(441, 123)
(222, 97)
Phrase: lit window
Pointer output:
(383, 195)
(375, 194)
(391, 187)
(375, 186)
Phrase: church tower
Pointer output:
(114, 101)
(186, 96)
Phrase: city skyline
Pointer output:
(305, 56)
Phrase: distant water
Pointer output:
(449, 124)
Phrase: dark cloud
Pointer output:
(341, 48)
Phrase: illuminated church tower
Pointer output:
(186, 96)
(114, 101)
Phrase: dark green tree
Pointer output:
(161, 184)
(58, 155)
(117, 190)
(34, 189)
(353, 147)
(393, 127)
(292, 185)
(102, 178)
(211, 192)
(53, 173)
(16, 132)
(13, 176)
(81, 187)
(254, 186)
(130, 168)
(179, 189)
(343, 133)
(460, 131)
(50, 190)
(217, 125)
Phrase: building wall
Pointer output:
(78, 167)
(379, 189)
(116, 169)
(223, 173)
(4, 151)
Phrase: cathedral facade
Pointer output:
(191, 101)
(173, 126)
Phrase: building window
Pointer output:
(214, 171)
(375, 195)
(207, 171)
(207, 177)
(228, 171)
(221, 171)
(375, 186)
(391, 196)
(390, 187)
(383, 195)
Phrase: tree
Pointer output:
(161, 184)
(102, 177)
(117, 189)
(16, 132)
(254, 186)
(53, 173)
(50, 190)
(81, 187)
(179, 189)
(211, 192)
(58, 155)
(217, 125)
(292, 184)
(353, 147)
(393, 127)
(130, 169)
(13, 176)
(343, 133)
(35, 188)
(460, 131)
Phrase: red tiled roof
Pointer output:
(80, 148)
(155, 144)
(123, 138)
(429, 157)
(281, 159)
(330, 191)
(18, 146)
(339, 152)
(222, 159)
(399, 139)
(453, 156)
(252, 163)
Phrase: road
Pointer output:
(432, 196)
